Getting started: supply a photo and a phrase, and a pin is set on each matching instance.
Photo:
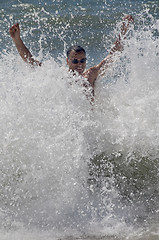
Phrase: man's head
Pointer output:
(76, 59)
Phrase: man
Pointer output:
(76, 55)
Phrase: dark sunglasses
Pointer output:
(75, 61)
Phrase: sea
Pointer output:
(71, 169)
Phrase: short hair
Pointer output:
(76, 49)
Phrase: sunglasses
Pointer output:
(75, 61)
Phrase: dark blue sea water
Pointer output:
(69, 169)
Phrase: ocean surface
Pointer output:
(69, 169)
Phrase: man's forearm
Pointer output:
(23, 51)
(118, 46)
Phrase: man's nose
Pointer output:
(79, 63)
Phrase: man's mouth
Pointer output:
(79, 69)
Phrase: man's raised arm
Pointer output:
(100, 69)
(118, 45)
(22, 49)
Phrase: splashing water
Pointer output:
(69, 168)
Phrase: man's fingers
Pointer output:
(129, 18)
(11, 30)
(15, 27)
(126, 21)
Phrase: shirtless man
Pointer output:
(76, 55)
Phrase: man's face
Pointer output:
(77, 61)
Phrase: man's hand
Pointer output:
(15, 32)
(118, 45)
(127, 19)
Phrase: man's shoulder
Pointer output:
(91, 75)
(91, 70)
